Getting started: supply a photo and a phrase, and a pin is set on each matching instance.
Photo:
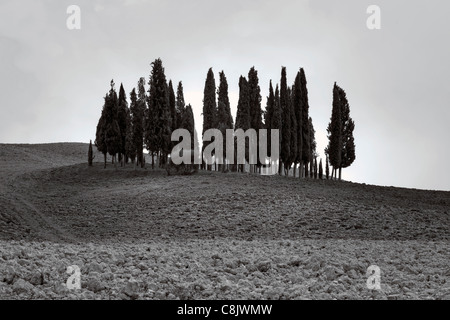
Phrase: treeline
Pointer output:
(123, 129)
(155, 113)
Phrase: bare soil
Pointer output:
(140, 234)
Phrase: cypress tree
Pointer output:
(285, 153)
(209, 107)
(268, 116)
(298, 111)
(180, 104)
(243, 112)
(130, 150)
(341, 145)
(138, 108)
(254, 92)
(334, 148)
(306, 154)
(277, 123)
(187, 122)
(348, 143)
(112, 129)
(172, 106)
(294, 133)
(150, 139)
(100, 135)
(122, 121)
(224, 118)
(255, 111)
(158, 120)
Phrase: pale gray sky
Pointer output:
(53, 79)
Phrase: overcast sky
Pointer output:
(53, 79)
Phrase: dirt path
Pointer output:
(19, 217)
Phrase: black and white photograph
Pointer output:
(228, 152)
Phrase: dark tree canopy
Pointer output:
(348, 142)
(334, 148)
(269, 117)
(306, 154)
(172, 107)
(137, 109)
(224, 112)
(100, 135)
(180, 104)
(224, 117)
(277, 123)
(312, 140)
(254, 101)
(130, 150)
(298, 112)
(112, 128)
(158, 120)
(294, 133)
(277, 117)
(209, 103)
(122, 120)
(341, 145)
(188, 123)
(243, 112)
(285, 153)
(209, 106)
(243, 107)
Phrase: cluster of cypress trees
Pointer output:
(287, 109)
(148, 121)
(216, 114)
(298, 144)
(154, 114)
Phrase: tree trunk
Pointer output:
(340, 172)
(104, 167)
(300, 170)
(153, 161)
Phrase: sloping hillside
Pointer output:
(240, 235)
